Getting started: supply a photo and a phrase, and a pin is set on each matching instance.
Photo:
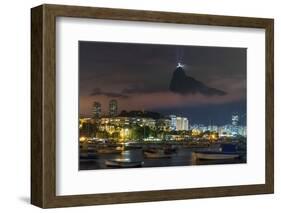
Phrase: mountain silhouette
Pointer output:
(183, 84)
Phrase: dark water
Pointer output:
(89, 159)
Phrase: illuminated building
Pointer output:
(173, 122)
(185, 124)
(113, 108)
(96, 110)
(235, 119)
(181, 123)
(128, 121)
(242, 130)
(225, 131)
(148, 122)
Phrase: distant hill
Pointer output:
(183, 84)
(143, 114)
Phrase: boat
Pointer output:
(214, 155)
(226, 152)
(123, 163)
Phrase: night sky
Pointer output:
(139, 77)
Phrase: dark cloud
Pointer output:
(142, 90)
(99, 92)
(184, 85)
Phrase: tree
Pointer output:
(102, 134)
(88, 130)
(115, 135)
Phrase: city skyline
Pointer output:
(234, 118)
(138, 77)
(112, 123)
(144, 126)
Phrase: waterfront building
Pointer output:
(83, 121)
(118, 121)
(185, 124)
(128, 121)
(242, 131)
(113, 108)
(225, 131)
(150, 122)
(181, 123)
(96, 110)
(173, 122)
(235, 119)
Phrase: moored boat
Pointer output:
(214, 156)
(226, 152)
(123, 163)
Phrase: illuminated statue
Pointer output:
(180, 65)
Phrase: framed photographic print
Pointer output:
(136, 106)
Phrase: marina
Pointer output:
(97, 156)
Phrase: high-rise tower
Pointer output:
(113, 108)
(96, 110)
(235, 119)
